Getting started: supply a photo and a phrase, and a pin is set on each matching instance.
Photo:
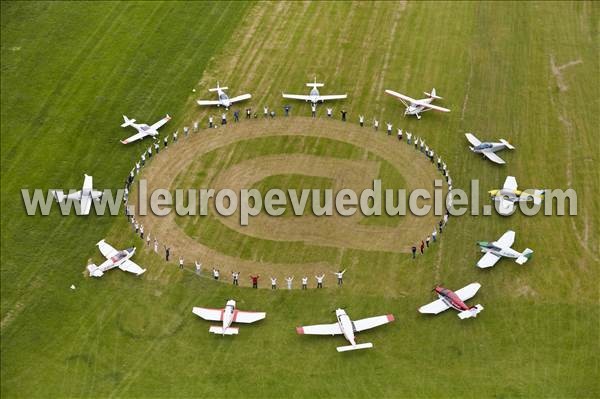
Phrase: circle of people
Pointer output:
(411, 139)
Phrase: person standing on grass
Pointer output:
(198, 267)
(273, 283)
(254, 280)
(408, 137)
(210, 122)
(389, 128)
(142, 231)
(148, 240)
(304, 282)
(149, 151)
(361, 120)
(399, 134)
(248, 113)
(235, 278)
(265, 111)
(181, 262)
(166, 141)
(216, 273)
(427, 241)
(340, 276)
(329, 112)
(313, 110)
(320, 280)
(376, 124)
(186, 131)
(137, 168)
(343, 112)
(167, 252)
(156, 147)
(289, 280)
(434, 234)
(155, 245)
(137, 227)
(286, 108)
(175, 135)
(223, 118)
(422, 247)
(195, 126)
(414, 251)
(143, 159)
(236, 116)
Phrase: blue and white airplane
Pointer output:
(223, 99)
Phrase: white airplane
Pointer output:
(85, 196)
(449, 299)
(488, 149)
(496, 249)
(223, 99)
(227, 315)
(415, 107)
(347, 327)
(314, 96)
(143, 129)
(508, 196)
(114, 258)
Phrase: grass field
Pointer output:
(527, 72)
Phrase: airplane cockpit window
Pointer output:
(223, 96)
(144, 127)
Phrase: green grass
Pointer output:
(70, 70)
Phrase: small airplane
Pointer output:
(227, 315)
(497, 249)
(488, 149)
(114, 258)
(508, 195)
(314, 96)
(142, 128)
(85, 196)
(347, 327)
(416, 107)
(223, 100)
(449, 299)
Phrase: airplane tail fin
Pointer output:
(507, 144)
(227, 331)
(432, 94)
(354, 347)
(472, 312)
(525, 256)
(217, 88)
(94, 270)
(128, 122)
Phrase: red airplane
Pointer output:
(449, 299)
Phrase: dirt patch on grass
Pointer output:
(334, 231)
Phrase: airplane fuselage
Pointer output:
(345, 325)
(314, 95)
(496, 250)
(117, 260)
(223, 99)
(416, 109)
(487, 147)
(228, 314)
(451, 299)
(145, 129)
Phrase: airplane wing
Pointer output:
(240, 98)
(431, 106)
(472, 139)
(207, 102)
(296, 96)
(131, 267)
(87, 182)
(402, 97)
(85, 204)
(493, 157)
(434, 307)
(248, 317)
(468, 292)
(320, 329)
(372, 322)
(487, 260)
(106, 249)
(510, 183)
(135, 137)
(208, 314)
(507, 239)
(333, 97)
(161, 122)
